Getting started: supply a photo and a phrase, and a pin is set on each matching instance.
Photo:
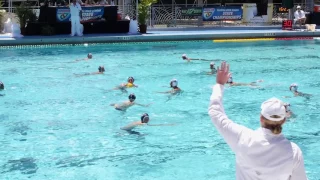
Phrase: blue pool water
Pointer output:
(55, 125)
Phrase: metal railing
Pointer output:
(170, 16)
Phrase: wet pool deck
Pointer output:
(167, 34)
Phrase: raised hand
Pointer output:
(223, 73)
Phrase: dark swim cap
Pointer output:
(131, 78)
(174, 83)
(1, 85)
(132, 96)
(144, 118)
(101, 69)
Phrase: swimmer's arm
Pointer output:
(229, 130)
(132, 125)
(143, 104)
(161, 124)
(166, 92)
(81, 59)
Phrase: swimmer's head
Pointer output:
(287, 106)
(130, 80)
(230, 80)
(173, 83)
(184, 56)
(132, 97)
(89, 56)
(1, 86)
(212, 65)
(101, 69)
(294, 87)
(145, 118)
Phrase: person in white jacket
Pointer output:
(76, 16)
(264, 153)
(299, 16)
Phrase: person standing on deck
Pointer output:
(76, 16)
(263, 153)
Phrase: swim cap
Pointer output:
(101, 69)
(131, 78)
(1, 86)
(294, 87)
(174, 83)
(273, 107)
(89, 55)
(287, 106)
(230, 80)
(145, 118)
(212, 63)
(184, 56)
(132, 96)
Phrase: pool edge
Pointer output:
(125, 38)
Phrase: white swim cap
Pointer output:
(230, 80)
(212, 63)
(174, 83)
(271, 107)
(287, 106)
(294, 86)
(184, 55)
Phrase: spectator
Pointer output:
(299, 16)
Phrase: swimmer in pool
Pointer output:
(294, 88)
(1, 88)
(289, 113)
(101, 70)
(125, 105)
(129, 84)
(143, 122)
(212, 68)
(174, 86)
(232, 83)
(184, 57)
(89, 56)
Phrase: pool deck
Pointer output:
(167, 34)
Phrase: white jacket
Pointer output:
(260, 154)
(299, 15)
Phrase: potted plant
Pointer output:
(144, 14)
(25, 14)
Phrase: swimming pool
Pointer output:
(55, 125)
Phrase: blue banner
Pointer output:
(88, 14)
(222, 13)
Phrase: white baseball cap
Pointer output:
(271, 107)
(298, 7)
